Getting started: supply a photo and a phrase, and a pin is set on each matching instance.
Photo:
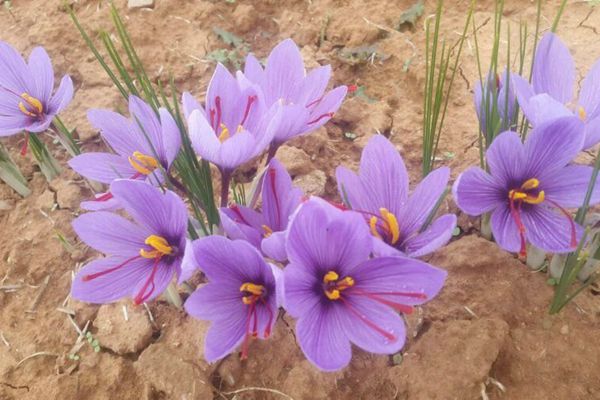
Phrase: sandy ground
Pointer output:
(487, 334)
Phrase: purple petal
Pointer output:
(568, 186)
(589, 96)
(116, 130)
(170, 136)
(553, 69)
(224, 86)
(506, 158)
(224, 336)
(477, 192)
(190, 104)
(321, 239)
(151, 287)
(405, 280)
(215, 301)
(350, 189)
(382, 249)
(237, 150)
(235, 227)
(13, 124)
(550, 230)
(202, 136)
(365, 336)
(279, 284)
(62, 97)
(322, 337)
(592, 132)
(312, 87)
(278, 198)
(553, 145)
(274, 246)
(42, 73)
(293, 122)
(422, 201)
(146, 121)
(383, 176)
(110, 234)
(544, 108)
(253, 70)
(14, 73)
(110, 286)
(524, 92)
(434, 237)
(505, 229)
(102, 167)
(164, 214)
(324, 109)
(111, 204)
(189, 265)
(284, 69)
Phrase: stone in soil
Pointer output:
(120, 335)
(312, 184)
(131, 4)
(451, 360)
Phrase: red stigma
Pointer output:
(571, 222)
(320, 117)
(216, 112)
(25, 145)
(87, 278)
(251, 100)
(352, 88)
(272, 176)
(239, 214)
(142, 296)
(368, 322)
(339, 206)
(516, 214)
(106, 196)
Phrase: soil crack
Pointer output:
(14, 387)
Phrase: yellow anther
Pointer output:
(37, 106)
(142, 163)
(392, 224)
(239, 129)
(268, 231)
(332, 294)
(247, 300)
(331, 276)
(224, 133)
(345, 283)
(516, 195)
(530, 184)
(582, 113)
(373, 225)
(252, 288)
(535, 200)
(160, 247)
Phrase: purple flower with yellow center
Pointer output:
(27, 102)
(239, 299)
(497, 96)
(551, 96)
(142, 257)
(265, 230)
(235, 125)
(340, 296)
(144, 148)
(530, 186)
(380, 193)
(306, 105)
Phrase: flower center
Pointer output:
(160, 247)
(32, 107)
(252, 293)
(528, 192)
(387, 224)
(333, 285)
(142, 163)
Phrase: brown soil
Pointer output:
(487, 334)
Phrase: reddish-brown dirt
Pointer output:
(488, 335)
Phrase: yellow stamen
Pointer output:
(332, 294)
(253, 288)
(535, 200)
(331, 276)
(515, 195)
(392, 224)
(345, 283)
(582, 113)
(530, 184)
(33, 102)
(373, 225)
(143, 163)
(268, 231)
(224, 133)
(160, 245)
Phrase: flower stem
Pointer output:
(10, 173)
(535, 257)
(47, 163)
(172, 295)
(225, 181)
(65, 137)
(486, 228)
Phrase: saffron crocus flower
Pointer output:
(235, 127)
(340, 296)
(239, 299)
(142, 146)
(265, 230)
(380, 193)
(530, 186)
(551, 94)
(142, 257)
(497, 94)
(27, 102)
(306, 106)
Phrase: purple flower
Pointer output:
(239, 299)
(306, 106)
(143, 145)
(266, 229)
(235, 127)
(530, 186)
(26, 99)
(340, 296)
(551, 95)
(380, 193)
(142, 257)
(493, 95)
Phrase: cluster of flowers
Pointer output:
(529, 186)
(347, 271)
